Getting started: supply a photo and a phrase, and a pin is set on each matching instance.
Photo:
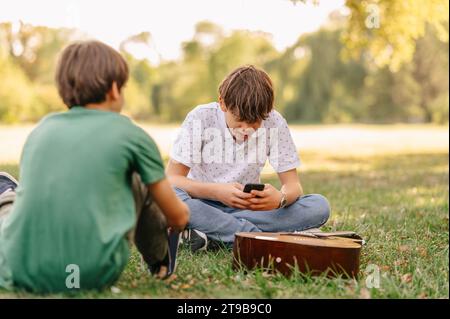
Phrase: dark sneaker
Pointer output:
(170, 261)
(194, 239)
(7, 182)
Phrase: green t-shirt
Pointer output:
(74, 203)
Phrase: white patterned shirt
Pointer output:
(205, 144)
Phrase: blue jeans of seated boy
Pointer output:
(220, 222)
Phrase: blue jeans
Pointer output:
(220, 222)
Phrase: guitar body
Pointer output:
(282, 252)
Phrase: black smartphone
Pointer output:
(249, 187)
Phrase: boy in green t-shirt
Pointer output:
(89, 180)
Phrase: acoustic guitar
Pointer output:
(315, 253)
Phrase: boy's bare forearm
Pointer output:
(194, 188)
(291, 185)
(293, 191)
(176, 212)
(177, 175)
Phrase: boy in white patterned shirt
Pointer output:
(223, 146)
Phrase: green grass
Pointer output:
(398, 203)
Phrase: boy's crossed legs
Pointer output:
(220, 222)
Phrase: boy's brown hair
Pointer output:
(86, 72)
(248, 93)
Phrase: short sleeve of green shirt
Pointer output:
(146, 157)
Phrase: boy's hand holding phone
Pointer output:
(267, 199)
(252, 196)
(232, 194)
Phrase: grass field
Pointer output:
(397, 202)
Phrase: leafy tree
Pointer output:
(15, 92)
(389, 29)
(138, 93)
(325, 79)
(430, 72)
(35, 48)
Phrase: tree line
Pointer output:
(316, 79)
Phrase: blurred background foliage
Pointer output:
(347, 71)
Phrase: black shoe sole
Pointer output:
(170, 261)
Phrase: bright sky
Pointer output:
(171, 22)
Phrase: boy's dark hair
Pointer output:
(248, 93)
(86, 72)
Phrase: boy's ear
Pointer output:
(114, 93)
(222, 104)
